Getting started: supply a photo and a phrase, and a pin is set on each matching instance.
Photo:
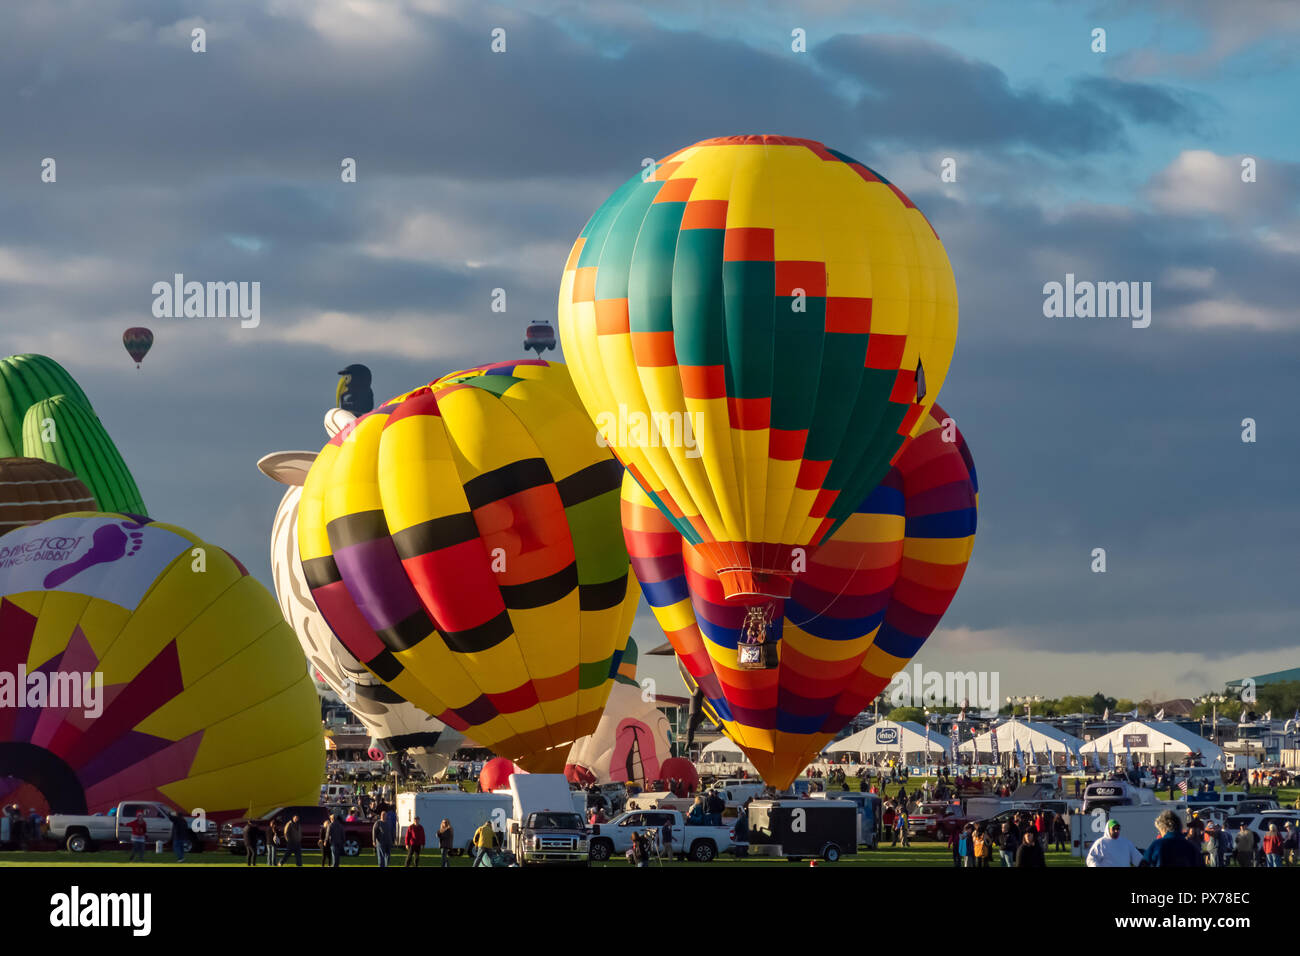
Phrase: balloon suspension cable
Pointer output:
(758, 618)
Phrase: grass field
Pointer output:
(919, 854)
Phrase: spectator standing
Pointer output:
(139, 830)
(252, 834)
(1008, 843)
(293, 841)
(415, 842)
(1244, 846)
(1113, 850)
(1030, 852)
(1171, 848)
(1272, 846)
(338, 837)
(180, 834)
(485, 838)
(382, 840)
(324, 840)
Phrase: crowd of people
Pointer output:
(1198, 844)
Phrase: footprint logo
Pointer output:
(109, 543)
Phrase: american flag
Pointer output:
(1182, 785)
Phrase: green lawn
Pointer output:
(919, 854)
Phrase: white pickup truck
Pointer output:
(82, 833)
(699, 843)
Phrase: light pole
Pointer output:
(1214, 700)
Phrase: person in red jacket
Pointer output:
(414, 843)
(139, 830)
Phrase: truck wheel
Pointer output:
(351, 848)
(702, 851)
(78, 843)
(601, 850)
(831, 854)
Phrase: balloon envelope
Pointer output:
(756, 329)
(462, 541)
(396, 724)
(137, 341)
(205, 700)
(632, 740)
(869, 598)
(32, 489)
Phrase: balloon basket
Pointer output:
(756, 657)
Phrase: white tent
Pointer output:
(888, 737)
(1154, 741)
(1043, 739)
(724, 755)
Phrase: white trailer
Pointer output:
(465, 811)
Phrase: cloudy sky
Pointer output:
(477, 169)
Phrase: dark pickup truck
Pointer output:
(312, 819)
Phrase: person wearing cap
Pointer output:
(1113, 849)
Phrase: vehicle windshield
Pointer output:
(555, 821)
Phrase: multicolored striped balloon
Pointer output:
(756, 328)
(869, 598)
(463, 542)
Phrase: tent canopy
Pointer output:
(1044, 739)
(886, 736)
(723, 751)
(1155, 738)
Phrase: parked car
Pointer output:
(357, 835)
(936, 820)
(1258, 822)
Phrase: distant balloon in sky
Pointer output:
(353, 393)
(138, 341)
(539, 337)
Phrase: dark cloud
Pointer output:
(478, 170)
(930, 95)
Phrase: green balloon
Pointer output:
(24, 381)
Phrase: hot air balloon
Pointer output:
(141, 662)
(750, 328)
(632, 740)
(32, 489)
(66, 432)
(397, 725)
(24, 381)
(45, 414)
(869, 598)
(354, 393)
(462, 541)
(539, 337)
(137, 341)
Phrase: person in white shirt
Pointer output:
(1113, 849)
